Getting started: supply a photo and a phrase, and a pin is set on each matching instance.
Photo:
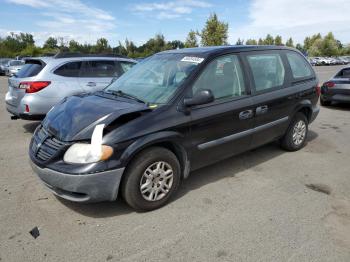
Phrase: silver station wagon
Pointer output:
(45, 81)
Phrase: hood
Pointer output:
(76, 117)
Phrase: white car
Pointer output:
(13, 66)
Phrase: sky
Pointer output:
(116, 20)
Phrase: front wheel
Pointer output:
(296, 134)
(151, 179)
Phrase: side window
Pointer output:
(126, 66)
(300, 68)
(344, 73)
(223, 76)
(268, 71)
(71, 69)
(100, 68)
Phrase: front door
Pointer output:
(222, 128)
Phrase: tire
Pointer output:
(300, 123)
(143, 171)
(325, 102)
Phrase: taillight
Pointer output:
(329, 84)
(318, 89)
(33, 87)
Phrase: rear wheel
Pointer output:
(151, 179)
(296, 134)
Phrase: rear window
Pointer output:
(100, 68)
(268, 71)
(30, 69)
(300, 68)
(71, 69)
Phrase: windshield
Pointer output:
(156, 79)
(16, 63)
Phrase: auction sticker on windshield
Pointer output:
(192, 59)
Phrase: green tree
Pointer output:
(309, 41)
(215, 32)
(330, 46)
(316, 48)
(278, 40)
(240, 42)
(130, 47)
(74, 46)
(251, 42)
(269, 40)
(51, 43)
(26, 39)
(120, 49)
(102, 46)
(290, 42)
(175, 44)
(300, 48)
(191, 40)
(260, 42)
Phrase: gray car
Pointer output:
(337, 89)
(3, 65)
(13, 66)
(45, 81)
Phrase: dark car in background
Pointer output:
(337, 89)
(175, 112)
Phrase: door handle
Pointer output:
(261, 110)
(91, 84)
(246, 114)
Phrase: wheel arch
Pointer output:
(304, 107)
(168, 139)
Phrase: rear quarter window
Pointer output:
(71, 69)
(299, 66)
(268, 71)
(126, 66)
(100, 68)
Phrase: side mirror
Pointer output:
(200, 98)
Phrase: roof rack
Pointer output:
(72, 54)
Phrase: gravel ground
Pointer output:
(264, 205)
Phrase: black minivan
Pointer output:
(174, 112)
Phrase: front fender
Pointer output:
(149, 140)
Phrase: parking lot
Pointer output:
(264, 205)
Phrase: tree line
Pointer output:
(214, 32)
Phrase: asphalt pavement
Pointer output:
(264, 205)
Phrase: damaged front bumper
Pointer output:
(96, 187)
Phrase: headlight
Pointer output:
(89, 153)
(85, 153)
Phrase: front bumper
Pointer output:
(97, 187)
(341, 98)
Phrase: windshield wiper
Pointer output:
(123, 94)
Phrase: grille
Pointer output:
(45, 146)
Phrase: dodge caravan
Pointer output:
(175, 112)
